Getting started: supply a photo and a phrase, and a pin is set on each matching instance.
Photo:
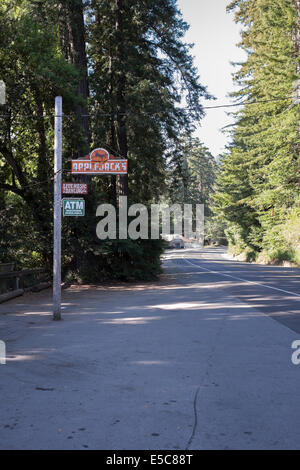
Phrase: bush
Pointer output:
(123, 260)
(215, 231)
(236, 244)
(282, 241)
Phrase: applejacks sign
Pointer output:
(99, 162)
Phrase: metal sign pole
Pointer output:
(57, 209)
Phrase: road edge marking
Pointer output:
(240, 279)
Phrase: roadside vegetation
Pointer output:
(128, 84)
(257, 191)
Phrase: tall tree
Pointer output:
(73, 44)
(297, 49)
(119, 69)
(258, 181)
(125, 64)
(149, 70)
(34, 74)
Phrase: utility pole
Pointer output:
(57, 209)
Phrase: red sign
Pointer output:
(74, 188)
(99, 155)
(99, 162)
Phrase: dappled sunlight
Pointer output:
(21, 357)
(117, 287)
(199, 306)
(111, 313)
(150, 363)
(178, 306)
(30, 355)
(130, 320)
(245, 317)
(43, 313)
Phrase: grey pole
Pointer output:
(57, 209)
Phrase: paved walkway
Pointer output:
(183, 363)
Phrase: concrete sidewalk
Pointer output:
(170, 365)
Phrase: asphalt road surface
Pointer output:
(199, 360)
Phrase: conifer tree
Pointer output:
(122, 68)
(258, 184)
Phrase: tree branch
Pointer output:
(12, 188)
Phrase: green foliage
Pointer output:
(191, 173)
(156, 72)
(258, 183)
(125, 260)
(215, 231)
(41, 57)
(282, 241)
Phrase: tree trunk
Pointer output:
(43, 170)
(112, 133)
(73, 46)
(120, 78)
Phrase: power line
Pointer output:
(38, 183)
(243, 103)
(112, 114)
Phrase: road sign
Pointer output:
(99, 162)
(74, 188)
(73, 207)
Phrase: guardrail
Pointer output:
(15, 283)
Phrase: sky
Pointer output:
(215, 36)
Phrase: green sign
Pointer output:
(73, 207)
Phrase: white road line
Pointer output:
(240, 279)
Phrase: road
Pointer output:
(199, 360)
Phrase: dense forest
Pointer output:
(257, 196)
(128, 84)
